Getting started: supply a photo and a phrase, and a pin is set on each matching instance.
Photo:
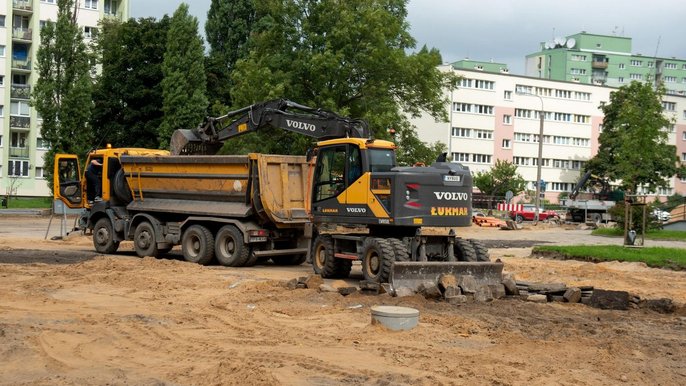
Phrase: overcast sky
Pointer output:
(506, 30)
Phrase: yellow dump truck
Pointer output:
(213, 206)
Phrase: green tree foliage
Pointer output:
(228, 27)
(62, 94)
(184, 83)
(350, 57)
(502, 177)
(633, 144)
(128, 93)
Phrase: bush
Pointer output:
(617, 212)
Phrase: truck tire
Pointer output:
(519, 219)
(229, 247)
(103, 236)
(480, 250)
(377, 259)
(464, 251)
(401, 252)
(197, 245)
(121, 187)
(144, 240)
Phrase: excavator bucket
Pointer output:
(187, 142)
(412, 274)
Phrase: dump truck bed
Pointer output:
(240, 186)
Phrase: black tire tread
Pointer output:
(209, 245)
(464, 251)
(401, 251)
(111, 246)
(387, 255)
(242, 254)
(481, 250)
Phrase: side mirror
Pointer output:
(311, 153)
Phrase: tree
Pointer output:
(184, 83)
(633, 144)
(228, 28)
(502, 177)
(128, 94)
(62, 94)
(350, 57)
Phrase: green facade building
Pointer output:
(603, 60)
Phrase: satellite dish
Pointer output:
(551, 44)
(571, 42)
(546, 45)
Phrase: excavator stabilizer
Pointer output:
(412, 274)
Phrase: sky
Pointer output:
(505, 31)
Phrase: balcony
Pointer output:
(21, 64)
(20, 122)
(20, 91)
(22, 33)
(23, 6)
(599, 64)
(19, 152)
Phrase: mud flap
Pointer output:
(412, 274)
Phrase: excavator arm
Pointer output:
(321, 124)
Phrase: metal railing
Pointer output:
(20, 91)
(24, 5)
(20, 122)
(21, 64)
(22, 33)
(19, 152)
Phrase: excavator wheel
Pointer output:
(401, 252)
(378, 256)
(197, 244)
(464, 251)
(481, 250)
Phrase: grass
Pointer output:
(652, 234)
(660, 257)
(29, 203)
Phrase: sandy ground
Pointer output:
(70, 317)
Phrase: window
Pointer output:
(2, 51)
(583, 142)
(481, 158)
(330, 172)
(521, 161)
(507, 119)
(48, 1)
(89, 32)
(462, 107)
(669, 106)
(484, 84)
(19, 108)
(560, 140)
(621, 66)
(563, 94)
(460, 157)
(18, 139)
(523, 89)
(2, 20)
(578, 71)
(683, 135)
(2, 111)
(684, 114)
(578, 58)
(578, 165)
(522, 113)
(544, 91)
(0, 140)
(560, 186)
(465, 83)
(582, 96)
(461, 132)
(671, 66)
(483, 109)
(91, 4)
(507, 95)
(636, 63)
(2, 80)
(636, 76)
(581, 118)
(563, 117)
(41, 143)
(110, 7)
(546, 115)
(39, 172)
(545, 162)
(670, 79)
(683, 157)
(506, 143)
(534, 138)
(620, 79)
(561, 163)
(522, 137)
(483, 134)
(18, 168)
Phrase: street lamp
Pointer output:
(540, 154)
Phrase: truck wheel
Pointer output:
(229, 247)
(322, 255)
(480, 250)
(252, 258)
(377, 259)
(519, 219)
(103, 236)
(464, 251)
(197, 245)
(596, 218)
(401, 252)
(144, 240)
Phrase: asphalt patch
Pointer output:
(512, 243)
(32, 256)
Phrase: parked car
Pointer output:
(661, 215)
(528, 213)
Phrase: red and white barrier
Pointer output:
(509, 207)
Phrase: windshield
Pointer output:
(381, 160)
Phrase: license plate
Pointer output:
(452, 178)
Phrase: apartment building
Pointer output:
(603, 60)
(495, 115)
(21, 145)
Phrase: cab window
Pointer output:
(381, 160)
(329, 175)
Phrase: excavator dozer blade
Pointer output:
(412, 274)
